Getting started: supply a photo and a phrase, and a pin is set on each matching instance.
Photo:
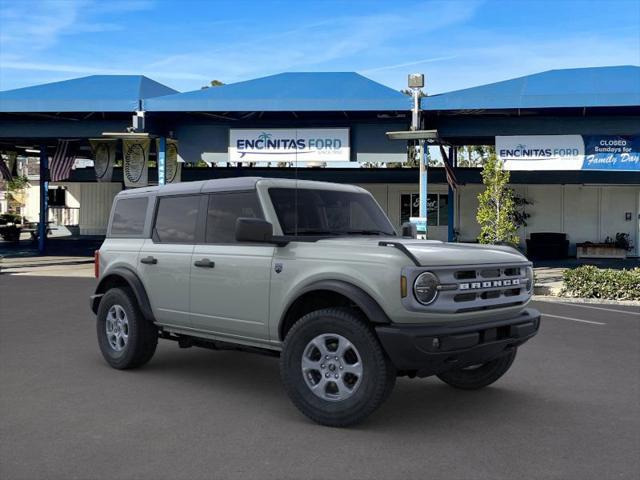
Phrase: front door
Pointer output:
(230, 280)
(165, 259)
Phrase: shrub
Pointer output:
(592, 282)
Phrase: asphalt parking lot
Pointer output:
(568, 409)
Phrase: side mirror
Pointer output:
(253, 230)
(409, 230)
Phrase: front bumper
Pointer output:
(429, 350)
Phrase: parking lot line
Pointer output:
(601, 308)
(573, 319)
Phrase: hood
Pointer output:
(436, 253)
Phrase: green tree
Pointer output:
(213, 83)
(496, 209)
(474, 155)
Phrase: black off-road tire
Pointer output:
(481, 376)
(378, 377)
(142, 334)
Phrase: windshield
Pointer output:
(328, 212)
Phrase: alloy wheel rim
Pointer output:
(332, 367)
(117, 328)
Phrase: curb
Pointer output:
(546, 290)
(597, 301)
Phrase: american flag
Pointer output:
(448, 169)
(62, 160)
(4, 170)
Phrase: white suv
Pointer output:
(313, 272)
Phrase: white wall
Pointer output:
(95, 205)
(583, 212)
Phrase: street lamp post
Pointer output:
(416, 83)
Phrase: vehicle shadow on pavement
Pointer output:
(413, 404)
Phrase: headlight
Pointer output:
(425, 288)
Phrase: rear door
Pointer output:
(230, 280)
(165, 259)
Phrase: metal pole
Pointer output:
(423, 179)
(422, 159)
(162, 163)
(44, 199)
(450, 199)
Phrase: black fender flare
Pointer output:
(133, 281)
(372, 310)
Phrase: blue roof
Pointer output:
(96, 93)
(298, 92)
(577, 87)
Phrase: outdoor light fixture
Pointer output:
(430, 136)
(416, 80)
(31, 150)
(126, 134)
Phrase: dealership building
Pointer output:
(571, 139)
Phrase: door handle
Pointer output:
(205, 262)
(149, 260)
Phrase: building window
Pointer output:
(57, 197)
(437, 208)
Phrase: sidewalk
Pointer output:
(49, 266)
(548, 280)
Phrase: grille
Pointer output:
(485, 287)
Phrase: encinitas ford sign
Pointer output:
(289, 145)
(541, 152)
(569, 152)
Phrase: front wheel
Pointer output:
(334, 369)
(475, 377)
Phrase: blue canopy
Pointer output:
(96, 93)
(289, 92)
(577, 87)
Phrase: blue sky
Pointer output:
(184, 44)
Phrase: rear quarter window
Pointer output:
(176, 219)
(128, 217)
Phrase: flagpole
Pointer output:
(44, 199)
(453, 153)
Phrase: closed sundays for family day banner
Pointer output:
(289, 145)
(569, 152)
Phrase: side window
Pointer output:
(176, 219)
(128, 216)
(224, 209)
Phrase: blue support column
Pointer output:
(450, 199)
(44, 199)
(162, 160)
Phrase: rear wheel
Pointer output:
(478, 376)
(126, 338)
(334, 369)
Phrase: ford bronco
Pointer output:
(315, 273)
